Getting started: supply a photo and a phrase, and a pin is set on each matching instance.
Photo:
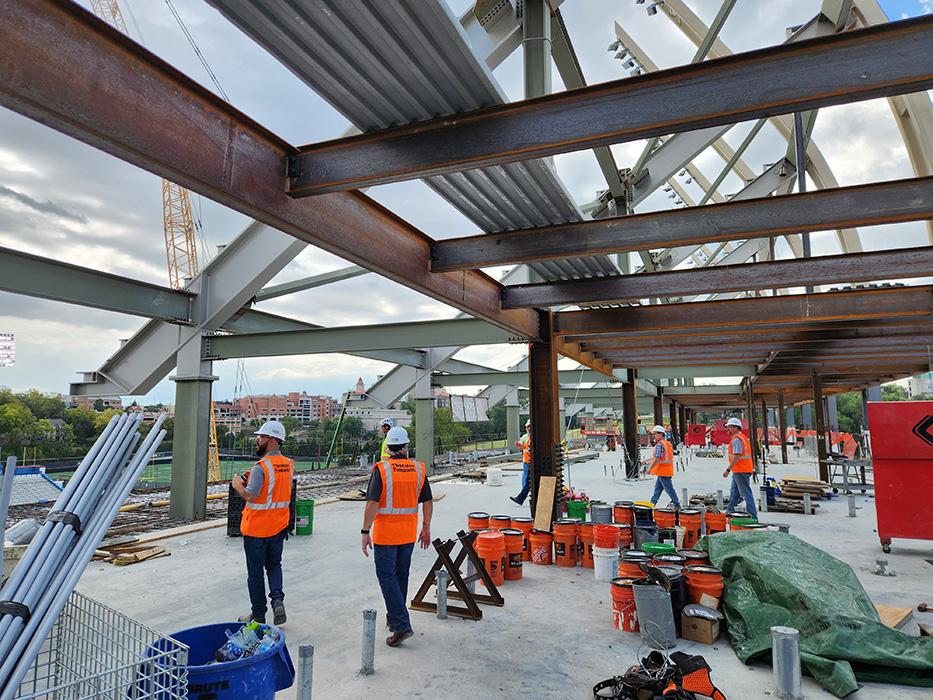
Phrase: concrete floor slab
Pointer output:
(554, 637)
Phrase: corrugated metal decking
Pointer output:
(387, 62)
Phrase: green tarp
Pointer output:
(774, 578)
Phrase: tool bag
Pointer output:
(679, 677)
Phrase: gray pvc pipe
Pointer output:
(785, 659)
(367, 667)
(56, 596)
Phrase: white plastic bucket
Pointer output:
(494, 477)
(605, 563)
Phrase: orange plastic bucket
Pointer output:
(694, 557)
(622, 512)
(665, 517)
(691, 520)
(625, 535)
(500, 522)
(525, 525)
(630, 563)
(490, 546)
(514, 544)
(715, 522)
(541, 546)
(477, 521)
(585, 533)
(703, 580)
(624, 617)
(606, 536)
(565, 543)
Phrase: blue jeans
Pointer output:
(526, 484)
(741, 487)
(665, 483)
(264, 555)
(392, 564)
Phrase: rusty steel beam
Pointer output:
(63, 67)
(845, 207)
(879, 61)
(857, 305)
(856, 337)
(830, 269)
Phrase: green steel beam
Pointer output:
(353, 339)
(566, 376)
(278, 290)
(708, 371)
(709, 390)
(35, 276)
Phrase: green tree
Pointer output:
(448, 435)
(81, 420)
(290, 424)
(98, 404)
(101, 419)
(849, 410)
(16, 424)
(42, 405)
(893, 392)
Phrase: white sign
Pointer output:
(7, 350)
(469, 409)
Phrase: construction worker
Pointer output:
(662, 466)
(741, 466)
(396, 487)
(268, 493)
(525, 444)
(385, 426)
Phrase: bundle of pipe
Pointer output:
(40, 586)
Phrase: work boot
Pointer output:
(398, 637)
(261, 619)
(278, 613)
(515, 500)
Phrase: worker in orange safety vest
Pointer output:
(390, 527)
(264, 525)
(662, 466)
(741, 466)
(525, 444)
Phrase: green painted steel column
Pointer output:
(424, 423)
(536, 46)
(192, 428)
(512, 421)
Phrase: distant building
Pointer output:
(441, 398)
(91, 401)
(303, 407)
(921, 384)
(360, 387)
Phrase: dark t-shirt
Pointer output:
(374, 490)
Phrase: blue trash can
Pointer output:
(256, 677)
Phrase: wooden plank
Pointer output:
(136, 557)
(546, 488)
(895, 618)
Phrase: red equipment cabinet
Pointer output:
(902, 459)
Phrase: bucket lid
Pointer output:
(501, 517)
(690, 511)
(511, 532)
(600, 506)
(692, 554)
(535, 531)
(657, 547)
(621, 582)
(567, 521)
(623, 504)
(672, 572)
(478, 515)
(703, 569)
(492, 535)
(665, 510)
(635, 555)
(640, 506)
(523, 520)
(738, 514)
(587, 524)
(623, 526)
(671, 558)
(755, 526)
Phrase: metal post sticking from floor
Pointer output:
(807, 510)
(764, 499)
(719, 501)
(851, 499)
(441, 593)
(369, 642)
(305, 670)
(785, 658)
(684, 501)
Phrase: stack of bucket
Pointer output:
(565, 542)
(605, 551)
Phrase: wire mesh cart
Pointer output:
(95, 652)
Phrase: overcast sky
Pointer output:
(67, 201)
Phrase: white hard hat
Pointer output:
(385, 423)
(397, 436)
(734, 421)
(658, 429)
(273, 429)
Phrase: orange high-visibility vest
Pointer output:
(268, 514)
(744, 465)
(526, 448)
(397, 518)
(665, 465)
